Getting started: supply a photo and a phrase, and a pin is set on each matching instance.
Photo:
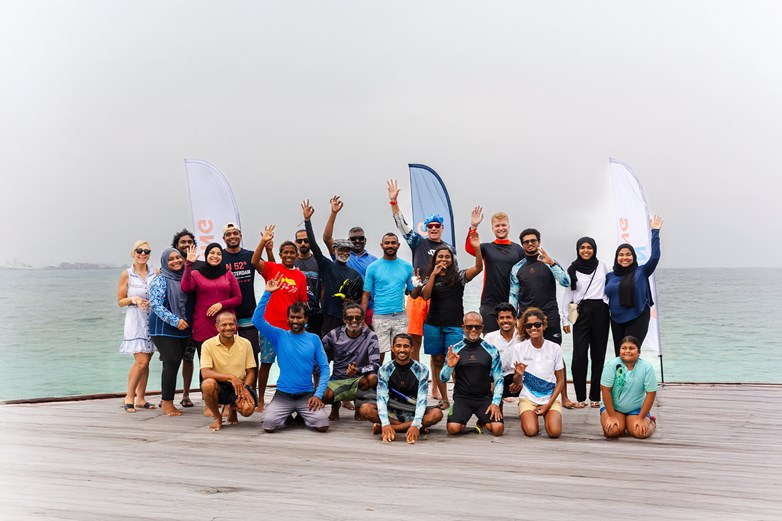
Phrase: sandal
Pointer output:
(146, 405)
(595, 405)
(186, 402)
(129, 407)
(444, 405)
(579, 405)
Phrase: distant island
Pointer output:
(62, 266)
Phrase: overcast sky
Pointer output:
(517, 105)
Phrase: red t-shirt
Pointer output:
(293, 288)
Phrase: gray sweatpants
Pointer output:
(283, 404)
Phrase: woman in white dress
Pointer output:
(133, 293)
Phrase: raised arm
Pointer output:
(259, 321)
(328, 231)
(307, 210)
(266, 236)
(656, 223)
(410, 235)
(513, 294)
(473, 271)
(476, 217)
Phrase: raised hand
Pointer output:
(543, 257)
(656, 222)
(268, 233)
(416, 278)
(453, 358)
(519, 368)
(306, 209)
(336, 204)
(273, 284)
(476, 217)
(192, 253)
(393, 190)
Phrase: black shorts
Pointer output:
(252, 335)
(227, 396)
(506, 387)
(464, 408)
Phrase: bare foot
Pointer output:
(259, 407)
(226, 412)
(169, 409)
(217, 424)
(568, 404)
(377, 428)
(334, 416)
(207, 412)
(347, 404)
(232, 418)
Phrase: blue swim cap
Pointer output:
(433, 218)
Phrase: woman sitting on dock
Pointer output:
(539, 375)
(629, 387)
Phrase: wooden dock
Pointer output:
(716, 454)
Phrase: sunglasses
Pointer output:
(473, 326)
(353, 319)
(530, 241)
(143, 251)
(301, 241)
(433, 225)
(358, 238)
(533, 325)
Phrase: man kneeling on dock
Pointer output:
(228, 372)
(298, 353)
(402, 393)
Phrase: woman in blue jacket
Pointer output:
(628, 291)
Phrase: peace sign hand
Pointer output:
(273, 284)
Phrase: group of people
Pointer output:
(328, 317)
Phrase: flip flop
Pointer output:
(129, 407)
(186, 402)
(580, 405)
(146, 405)
(595, 405)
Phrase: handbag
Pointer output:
(572, 308)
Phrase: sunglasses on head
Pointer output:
(353, 319)
(433, 225)
(142, 250)
(358, 238)
(302, 241)
(473, 326)
(533, 325)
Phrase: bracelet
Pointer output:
(392, 203)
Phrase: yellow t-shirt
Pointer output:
(220, 358)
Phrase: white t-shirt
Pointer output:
(539, 377)
(505, 348)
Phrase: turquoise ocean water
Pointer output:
(60, 330)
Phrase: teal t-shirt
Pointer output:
(386, 281)
(628, 388)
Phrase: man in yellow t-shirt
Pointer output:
(228, 372)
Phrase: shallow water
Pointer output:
(60, 330)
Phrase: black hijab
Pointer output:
(584, 266)
(209, 271)
(627, 285)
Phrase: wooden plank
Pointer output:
(715, 455)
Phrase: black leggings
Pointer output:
(171, 350)
(637, 327)
(590, 336)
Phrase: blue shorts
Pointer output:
(268, 356)
(437, 339)
(636, 412)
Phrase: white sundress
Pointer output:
(136, 338)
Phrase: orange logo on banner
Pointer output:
(205, 226)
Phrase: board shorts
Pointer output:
(417, 308)
(387, 327)
(226, 394)
(344, 389)
(284, 404)
(437, 339)
(463, 409)
(268, 356)
(525, 404)
(403, 412)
